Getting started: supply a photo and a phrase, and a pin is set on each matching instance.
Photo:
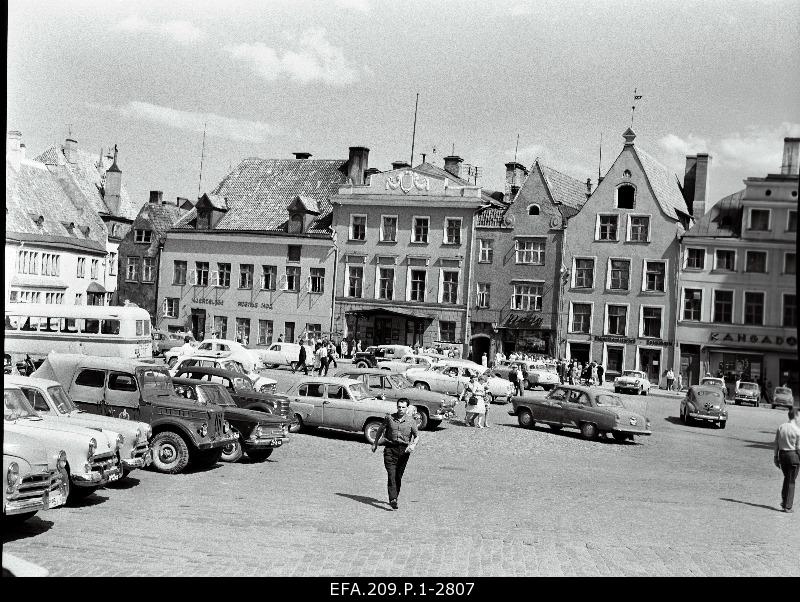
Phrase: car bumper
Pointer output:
(263, 443)
(626, 431)
(139, 461)
(12, 507)
(782, 403)
(449, 413)
(709, 417)
(628, 387)
(753, 400)
(220, 441)
(97, 478)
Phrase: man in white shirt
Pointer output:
(787, 457)
(322, 356)
(186, 348)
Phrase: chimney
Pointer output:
(588, 187)
(400, 164)
(156, 196)
(302, 155)
(689, 177)
(13, 152)
(113, 185)
(370, 172)
(700, 185)
(452, 164)
(71, 150)
(22, 150)
(515, 176)
(357, 163)
(790, 166)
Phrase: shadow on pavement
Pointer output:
(194, 469)
(727, 499)
(334, 434)
(124, 483)
(693, 424)
(29, 528)
(369, 501)
(759, 444)
(90, 500)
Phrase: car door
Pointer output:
(312, 394)
(88, 390)
(122, 395)
(550, 409)
(577, 409)
(38, 401)
(338, 410)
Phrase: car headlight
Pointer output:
(92, 446)
(120, 439)
(61, 463)
(12, 477)
(149, 432)
(258, 431)
(226, 427)
(203, 430)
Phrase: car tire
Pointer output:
(17, 519)
(433, 424)
(296, 425)
(588, 430)
(259, 455)
(371, 429)
(362, 364)
(170, 453)
(421, 385)
(525, 419)
(421, 418)
(232, 452)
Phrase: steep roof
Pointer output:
(32, 191)
(159, 218)
(565, 190)
(723, 220)
(665, 185)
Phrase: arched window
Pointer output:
(626, 197)
(626, 174)
(296, 224)
(533, 210)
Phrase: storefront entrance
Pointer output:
(690, 364)
(382, 331)
(579, 352)
(614, 362)
(198, 323)
(650, 363)
(790, 375)
(480, 344)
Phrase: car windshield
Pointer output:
(713, 395)
(233, 366)
(156, 381)
(711, 381)
(16, 405)
(215, 394)
(399, 381)
(63, 403)
(748, 386)
(243, 384)
(783, 391)
(607, 400)
(359, 391)
(632, 373)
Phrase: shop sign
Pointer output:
(658, 343)
(254, 305)
(515, 321)
(754, 339)
(606, 338)
(206, 301)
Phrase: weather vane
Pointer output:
(633, 108)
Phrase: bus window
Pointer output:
(139, 328)
(91, 326)
(12, 322)
(69, 325)
(147, 327)
(110, 327)
(49, 325)
(31, 324)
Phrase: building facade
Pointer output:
(737, 316)
(621, 251)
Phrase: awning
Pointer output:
(392, 311)
(37, 281)
(95, 287)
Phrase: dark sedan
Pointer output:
(704, 403)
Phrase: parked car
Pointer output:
(164, 340)
(715, 382)
(747, 393)
(260, 383)
(92, 456)
(249, 358)
(281, 354)
(50, 400)
(370, 357)
(536, 374)
(704, 403)
(593, 410)
(634, 381)
(783, 397)
(142, 391)
(451, 377)
(241, 389)
(33, 477)
(429, 408)
(337, 403)
(258, 433)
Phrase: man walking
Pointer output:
(400, 431)
(301, 360)
(600, 372)
(331, 357)
(787, 457)
(670, 379)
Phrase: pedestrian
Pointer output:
(600, 372)
(670, 379)
(331, 357)
(593, 374)
(485, 360)
(475, 404)
(321, 362)
(301, 359)
(769, 391)
(186, 348)
(520, 380)
(343, 348)
(484, 418)
(787, 457)
(401, 435)
(358, 346)
(512, 376)
(679, 382)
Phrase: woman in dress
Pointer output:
(474, 392)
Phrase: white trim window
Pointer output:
(448, 286)
(692, 304)
(655, 276)
(355, 281)
(638, 228)
(619, 274)
(790, 263)
(148, 269)
(201, 273)
(358, 226)
(452, 230)
(95, 269)
(417, 284)
(81, 273)
(789, 310)
(616, 319)
(755, 262)
(760, 220)
(791, 220)
(317, 280)
(607, 227)
(293, 275)
(722, 307)
(142, 236)
(170, 307)
(485, 250)
(583, 272)
(484, 294)
(28, 262)
(651, 318)
(725, 260)
(580, 317)
(695, 258)
(527, 296)
(132, 270)
(754, 303)
(50, 264)
(420, 229)
(246, 271)
(265, 332)
(269, 277)
(385, 288)
(388, 228)
(223, 275)
(530, 251)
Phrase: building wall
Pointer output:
(137, 290)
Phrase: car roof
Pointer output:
(62, 366)
(588, 390)
(364, 371)
(213, 371)
(180, 380)
(18, 379)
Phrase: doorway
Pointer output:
(198, 323)
(480, 344)
(650, 364)
(383, 331)
(790, 375)
(579, 352)
(690, 364)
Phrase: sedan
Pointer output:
(451, 377)
(704, 403)
(634, 381)
(782, 397)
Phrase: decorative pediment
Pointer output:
(407, 181)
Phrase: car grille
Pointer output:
(273, 388)
(102, 463)
(139, 451)
(282, 406)
(219, 419)
(272, 432)
(33, 486)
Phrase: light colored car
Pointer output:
(747, 393)
(281, 354)
(410, 360)
(451, 377)
(782, 397)
(225, 362)
(249, 358)
(713, 381)
(49, 399)
(634, 381)
(33, 477)
(92, 456)
(704, 403)
(164, 340)
(538, 374)
(337, 403)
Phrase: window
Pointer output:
(651, 322)
(78, 298)
(617, 319)
(533, 210)
(386, 283)
(295, 225)
(221, 326)
(626, 197)
(530, 251)
(358, 227)
(143, 236)
(295, 251)
(723, 307)
(420, 229)
(449, 287)
(418, 284)
(179, 272)
(389, 228)
(292, 278)
(54, 298)
(759, 219)
(791, 221)
(120, 381)
(27, 262)
(314, 330)
(148, 269)
(447, 331)
(96, 299)
(695, 259)
(132, 269)
(790, 263)
(91, 378)
(484, 292)
(269, 276)
(584, 273)
(355, 281)
(202, 273)
(288, 331)
(790, 310)
(607, 227)
(51, 264)
(654, 275)
(692, 304)
(755, 261)
(109, 327)
(224, 275)
(619, 279)
(452, 231)
(581, 317)
(317, 284)
(81, 267)
(246, 275)
(527, 297)
(725, 260)
(243, 331)
(640, 228)
(112, 264)
(95, 268)
(754, 308)
(485, 250)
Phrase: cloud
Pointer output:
(314, 59)
(358, 5)
(180, 31)
(217, 125)
(521, 8)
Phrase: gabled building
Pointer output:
(517, 269)
(621, 250)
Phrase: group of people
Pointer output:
(577, 373)
(317, 353)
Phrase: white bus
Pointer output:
(37, 329)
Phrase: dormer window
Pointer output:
(142, 236)
(203, 220)
(533, 210)
(626, 197)
(295, 225)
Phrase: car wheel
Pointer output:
(616, 389)
(16, 519)
(489, 398)
(170, 453)
(641, 390)
(362, 364)
(525, 419)
(421, 385)
(421, 417)
(232, 452)
(619, 437)
(722, 423)
(259, 455)
(171, 362)
(67, 482)
(371, 430)
(555, 427)
(207, 458)
(588, 430)
(296, 425)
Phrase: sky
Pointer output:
(266, 79)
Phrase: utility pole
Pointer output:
(414, 132)
(202, 156)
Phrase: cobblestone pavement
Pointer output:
(503, 501)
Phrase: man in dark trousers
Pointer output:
(400, 431)
(787, 457)
(301, 360)
(600, 373)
